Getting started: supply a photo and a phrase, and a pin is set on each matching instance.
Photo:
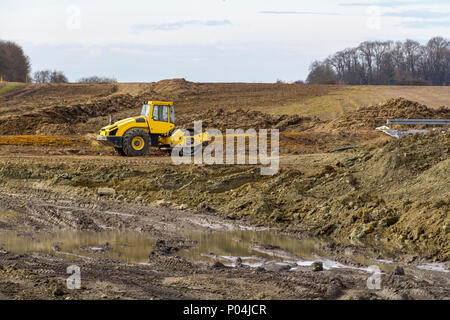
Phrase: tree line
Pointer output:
(386, 63)
(48, 76)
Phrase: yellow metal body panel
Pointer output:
(160, 127)
(162, 103)
(178, 138)
(124, 125)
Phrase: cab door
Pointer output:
(159, 122)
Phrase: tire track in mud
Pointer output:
(40, 274)
(44, 214)
(43, 209)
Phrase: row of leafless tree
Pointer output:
(95, 79)
(48, 76)
(387, 62)
(14, 64)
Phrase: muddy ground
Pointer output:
(143, 228)
(167, 274)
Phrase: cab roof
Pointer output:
(164, 103)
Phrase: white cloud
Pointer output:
(171, 26)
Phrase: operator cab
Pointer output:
(160, 116)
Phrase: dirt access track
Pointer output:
(144, 228)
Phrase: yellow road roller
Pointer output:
(154, 127)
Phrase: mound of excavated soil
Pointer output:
(374, 116)
(243, 119)
(411, 176)
(60, 119)
(174, 88)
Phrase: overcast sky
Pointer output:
(207, 40)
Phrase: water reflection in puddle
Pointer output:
(125, 246)
(252, 247)
(256, 248)
(135, 247)
(247, 247)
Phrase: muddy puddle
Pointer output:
(260, 248)
(124, 246)
(252, 248)
(231, 248)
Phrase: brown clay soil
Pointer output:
(386, 203)
(374, 116)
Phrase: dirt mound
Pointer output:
(376, 115)
(412, 175)
(175, 88)
(59, 119)
(411, 155)
(242, 119)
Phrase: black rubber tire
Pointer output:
(120, 152)
(128, 147)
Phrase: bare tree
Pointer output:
(48, 76)
(58, 77)
(366, 50)
(95, 79)
(411, 54)
(42, 76)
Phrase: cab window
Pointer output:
(145, 110)
(172, 114)
(161, 113)
(164, 115)
(155, 115)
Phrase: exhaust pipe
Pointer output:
(111, 120)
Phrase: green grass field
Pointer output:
(10, 86)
